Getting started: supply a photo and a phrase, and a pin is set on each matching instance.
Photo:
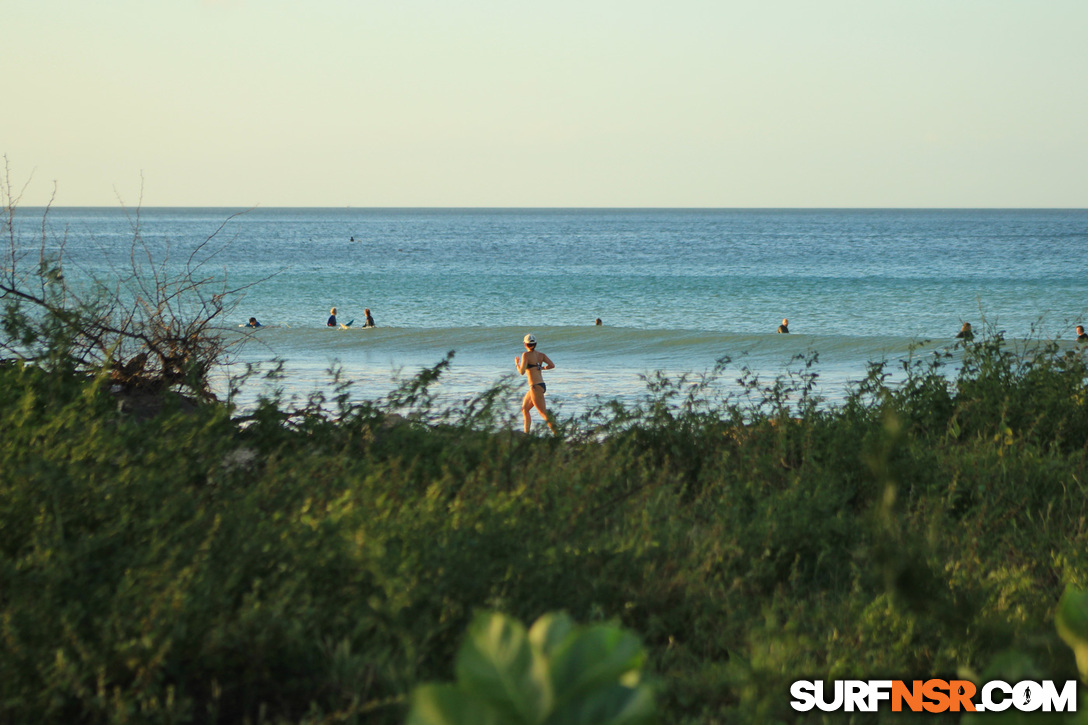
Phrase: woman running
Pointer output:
(532, 362)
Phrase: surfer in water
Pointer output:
(332, 318)
(530, 363)
(784, 327)
(966, 333)
(253, 323)
(1081, 337)
(369, 319)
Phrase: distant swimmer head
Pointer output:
(785, 321)
(598, 322)
(530, 340)
(966, 326)
(332, 311)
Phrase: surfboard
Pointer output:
(344, 327)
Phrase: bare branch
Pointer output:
(154, 325)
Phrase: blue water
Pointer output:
(676, 289)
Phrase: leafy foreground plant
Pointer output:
(1071, 620)
(555, 674)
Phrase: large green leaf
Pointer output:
(550, 632)
(1072, 621)
(614, 705)
(447, 705)
(556, 674)
(497, 664)
(598, 656)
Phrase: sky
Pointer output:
(594, 103)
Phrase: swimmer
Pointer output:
(966, 333)
(253, 323)
(369, 319)
(785, 326)
(1081, 337)
(332, 318)
(598, 323)
(530, 363)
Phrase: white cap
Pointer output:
(530, 339)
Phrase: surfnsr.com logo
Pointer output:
(933, 696)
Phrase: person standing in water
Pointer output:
(369, 319)
(530, 363)
(1081, 337)
(332, 318)
(966, 333)
(784, 327)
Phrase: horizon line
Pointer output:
(562, 208)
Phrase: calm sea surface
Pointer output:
(676, 289)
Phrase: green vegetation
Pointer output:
(164, 559)
(554, 674)
(315, 567)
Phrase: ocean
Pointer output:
(677, 290)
